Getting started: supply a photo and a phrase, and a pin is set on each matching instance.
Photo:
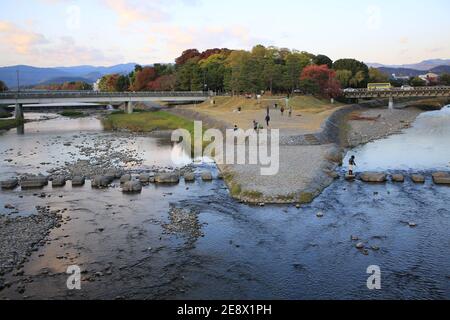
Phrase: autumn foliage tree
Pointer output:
(3, 86)
(324, 77)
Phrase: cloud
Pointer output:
(33, 48)
(129, 12)
(21, 41)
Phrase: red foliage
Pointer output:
(324, 77)
(187, 55)
(143, 78)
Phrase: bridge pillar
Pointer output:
(18, 112)
(129, 107)
(391, 103)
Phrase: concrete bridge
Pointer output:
(416, 92)
(47, 97)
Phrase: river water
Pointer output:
(131, 247)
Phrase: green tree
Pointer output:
(344, 77)
(360, 71)
(445, 79)
(323, 60)
(122, 84)
(189, 76)
(417, 82)
(376, 76)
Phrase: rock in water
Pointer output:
(350, 177)
(144, 178)
(78, 181)
(418, 178)
(441, 178)
(31, 182)
(125, 178)
(167, 178)
(132, 187)
(189, 177)
(376, 177)
(320, 214)
(9, 184)
(360, 245)
(207, 176)
(398, 178)
(59, 181)
(101, 181)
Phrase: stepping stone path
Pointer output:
(207, 176)
(441, 178)
(132, 187)
(9, 184)
(377, 177)
(78, 181)
(398, 178)
(417, 178)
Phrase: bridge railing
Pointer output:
(97, 94)
(397, 91)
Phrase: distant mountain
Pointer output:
(401, 72)
(441, 69)
(425, 65)
(29, 75)
(60, 80)
(405, 72)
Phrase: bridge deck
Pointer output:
(98, 97)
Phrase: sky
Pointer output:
(48, 33)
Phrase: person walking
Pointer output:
(290, 112)
(351, 165)
(282, 111)
(268, 120)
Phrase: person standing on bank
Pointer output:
(351, 165)
(268, 120)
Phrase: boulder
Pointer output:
(78, 181)
(9, 184)
(59, 181)
(125, 178)
(116, 173)
(144, 178)
(167, 178)
(207, 176)
(418, 178)
(101, 181)
(441, 178)
(31, 182)
(189, 177)
(132, 187)
(398, 178)
(377, 177)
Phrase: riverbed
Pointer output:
(193, 241)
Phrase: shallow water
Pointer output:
(424, 146)
(274, 252)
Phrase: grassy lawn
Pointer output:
(8, 124)
(147, 122)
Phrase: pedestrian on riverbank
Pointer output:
(351, 165)
(290, 112)
(282, 111)
(268, 120)
(255, 125)
(236, 128)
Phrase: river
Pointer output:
(130, 247)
